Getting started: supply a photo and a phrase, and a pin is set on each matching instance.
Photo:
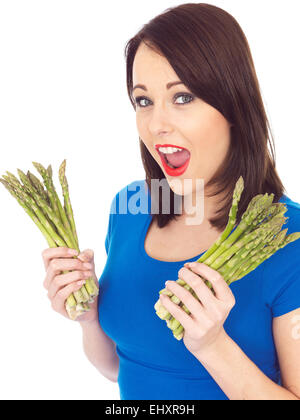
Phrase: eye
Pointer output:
(139, 99)
(184, 95)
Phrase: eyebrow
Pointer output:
(168, 85)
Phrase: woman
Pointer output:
(192, 82)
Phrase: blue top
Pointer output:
(153, 364)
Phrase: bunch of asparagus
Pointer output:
(56, 222)
(239, 250)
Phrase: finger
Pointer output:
(221, 288)
(193, 305)
(59, 252)
(56, 266)
(62, 280)
(87, 255)
(58, 302)
(175, 310)
(203, 292)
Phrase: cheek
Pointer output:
(139, 124)
(147, 143)
(142, 129)
(212, 137)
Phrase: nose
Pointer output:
(160, 122)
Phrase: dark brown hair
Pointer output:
(210, 54)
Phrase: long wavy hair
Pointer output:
(210, 54)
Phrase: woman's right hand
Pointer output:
(60, 286)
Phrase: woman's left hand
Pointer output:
(204, 326)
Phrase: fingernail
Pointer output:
(87, 274)
(81, 282)
(73, 252)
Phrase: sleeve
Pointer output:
(288, 298)
(111, 223)
(282, 280)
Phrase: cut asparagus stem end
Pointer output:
(178, 330)
(166, 292)
(174, 324)
(71, 301)
(71, 311)
(179, 336)
(83, 307)
(75, 312)
(175, 299)
(85, 294)
(165, 317)
(91, 287)
(168, 321)
(161, 311)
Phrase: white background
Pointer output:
(63, 95)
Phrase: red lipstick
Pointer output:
(174, 172)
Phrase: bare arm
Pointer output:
(98, 347)
(239, 377)
(286, 332)
(100, 350)
(206, 339)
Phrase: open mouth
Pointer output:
(174, 159)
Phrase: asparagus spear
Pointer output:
(231, 221)
(35, 182)
(239, 258)
(44, 174)
(82, 294)
(273, 227)
(258, 234)
(256, 238)
(252, 212)
(61, 210)
(24, 196)
(86, 290)
(54, 200)
(56, 215)
(46, 230)
(248, 242)
(90, 285)
(32, 193)
(269, 251)
(175, 326)
(67, 201)
(30, 213)
(50, 212)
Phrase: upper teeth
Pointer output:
(169, 149)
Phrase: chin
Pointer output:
(184, 186)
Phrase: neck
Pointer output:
(198, 208)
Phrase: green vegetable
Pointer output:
(239, 250)
(67, 202)
(56, 222)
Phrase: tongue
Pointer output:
(178, 159)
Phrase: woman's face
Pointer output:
(164, 117)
